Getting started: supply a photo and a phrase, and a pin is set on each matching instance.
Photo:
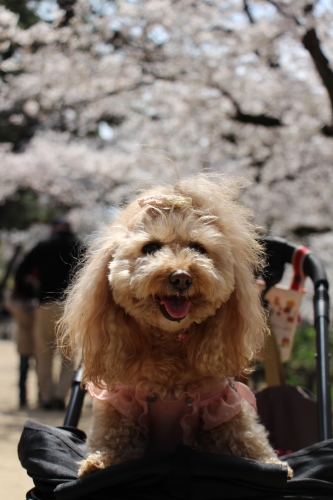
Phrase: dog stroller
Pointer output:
(50, 454)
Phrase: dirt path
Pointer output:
(14, 481)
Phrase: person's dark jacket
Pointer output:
(52, 261)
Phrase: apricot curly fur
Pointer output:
(113, 312)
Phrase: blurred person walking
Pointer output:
(21, 304)
(53, 261)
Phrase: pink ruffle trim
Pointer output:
(170, 421)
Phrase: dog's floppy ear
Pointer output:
(243, 328)
(88, 311)
(232, 337)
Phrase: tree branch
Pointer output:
(283, 12)
(248, 11)
(261, 119)
(312, 43)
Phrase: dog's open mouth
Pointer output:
(174, 308)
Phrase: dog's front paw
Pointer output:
(275, 460)
(94, 462)
(290, 471)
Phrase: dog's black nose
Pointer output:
(180, 279)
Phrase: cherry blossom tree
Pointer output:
(100, 98)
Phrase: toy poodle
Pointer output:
(166, 312)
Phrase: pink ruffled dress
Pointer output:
(167, 421)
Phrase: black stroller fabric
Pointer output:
(291, 417)
(50, 456)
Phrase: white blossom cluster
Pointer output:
(133, 92)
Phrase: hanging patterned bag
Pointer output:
(283, 305)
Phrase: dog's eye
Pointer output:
(197, 247)
(151, 248)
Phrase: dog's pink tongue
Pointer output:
(175, 306)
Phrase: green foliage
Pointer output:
(301, 368)
(27, 207)
(27, 17)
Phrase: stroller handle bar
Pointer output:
(280, 251)
(75, 404)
